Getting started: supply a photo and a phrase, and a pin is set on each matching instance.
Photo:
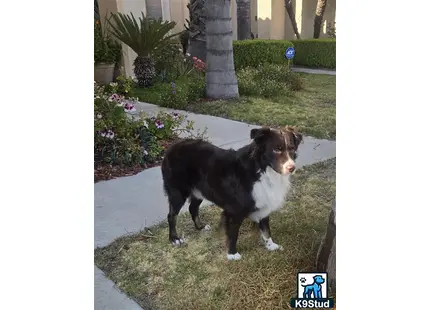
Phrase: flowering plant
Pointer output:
(125, 140)
(199, 65)
(123, 85)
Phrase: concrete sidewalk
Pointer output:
(314, 71)
(129, 204)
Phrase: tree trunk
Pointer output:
(243, 19)
(221, 81)
(292, 15)
(326, 258)
(197, 29)
(319, 14)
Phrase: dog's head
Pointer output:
(319, 279)
(277, 148)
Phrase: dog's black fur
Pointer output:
(224, 177)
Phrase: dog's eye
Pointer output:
(278, 149)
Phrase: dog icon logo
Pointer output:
(312, 291)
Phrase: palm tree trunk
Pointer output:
(292, 15)
(144, 70)
(319, 14)
(221, 81)
(243, 19)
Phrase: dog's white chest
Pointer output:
(269, 193)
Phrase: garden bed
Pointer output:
(198, 276)
(104, 172)
(125, 144)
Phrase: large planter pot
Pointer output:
(103, 73)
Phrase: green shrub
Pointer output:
(251, 83)
(268, 80)
(295, 82)
(315, 53)
(123, 86)
(196, 88)
(106, 50)
(252, 53)
(246, 81)
(173, 95)
(166, 60)
(177, 95)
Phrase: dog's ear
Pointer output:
(258, 134)
(298, 137)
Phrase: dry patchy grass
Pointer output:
(198, 275)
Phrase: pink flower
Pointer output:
(107, 134)
(129, 107)
(159, 124)
(114, 97)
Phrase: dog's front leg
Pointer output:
(232, 225)
(266, 235)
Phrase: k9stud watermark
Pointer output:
(312, 291)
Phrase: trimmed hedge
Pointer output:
(315, 53)
(252, 53)
(309, 53)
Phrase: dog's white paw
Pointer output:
(178, 242)
(236, 256)
(272, 246)
(207, 227)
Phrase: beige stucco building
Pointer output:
(269, 19)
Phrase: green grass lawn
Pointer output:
(312, 110)
(198, 276)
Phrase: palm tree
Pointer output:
(243, 19)
(195, 33)
(292, 15)
(221, 81)
(319, 13)
(144, 38)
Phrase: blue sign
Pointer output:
(289, 53)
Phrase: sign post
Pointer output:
(289, 54)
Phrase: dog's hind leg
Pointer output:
(176, 202)
(194, 211)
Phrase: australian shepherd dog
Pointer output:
(250, 182)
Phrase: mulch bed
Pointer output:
(104, 172)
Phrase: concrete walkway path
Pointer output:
(129, 204)
(314, 71)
